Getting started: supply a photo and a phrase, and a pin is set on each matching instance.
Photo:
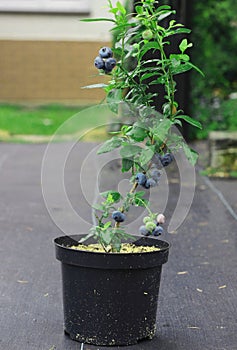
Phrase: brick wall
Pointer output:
(49, 71)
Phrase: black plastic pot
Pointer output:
(110, 298)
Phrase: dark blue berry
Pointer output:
(99, 63)
(157, 231)
(156, 159)
(150, 183)
(110, 63)
(105, 52)
(118, 216)
(155, 175)
(144, 231)
(166, 159)
(141, 179)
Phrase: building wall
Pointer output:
(49, 57)
(49, 71)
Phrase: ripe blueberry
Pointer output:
(118, 216)
(150, 183)
(158, 230)
(110, 63)
(166, 159)
(143, 231)
(99, 63)
(156, 159)
(155, 175)
(141, 179)
(105, 52)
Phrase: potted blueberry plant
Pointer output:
(111, 277)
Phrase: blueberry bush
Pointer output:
(147, 145)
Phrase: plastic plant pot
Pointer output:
(110, 298)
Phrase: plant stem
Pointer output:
(132, 190)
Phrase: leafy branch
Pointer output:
(147, 144)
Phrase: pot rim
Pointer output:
(106, 260)
(144, 240)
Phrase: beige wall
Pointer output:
(49, 71)
(48, 58)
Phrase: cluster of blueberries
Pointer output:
(151, 228)
(145, 182)
(155, 174)
(105, 60)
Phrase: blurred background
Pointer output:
(47, 56)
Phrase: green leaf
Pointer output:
(114, 96)
(94, 86)
(129, 151)
(137, 133)
(148, 75)
(116, 242)
(190, 120)
(197, 69)
(140, 194)
(191, 155)
(139, 10)
(174, 141)
(181, 57)
(162, 129)
(98, 20)
(107, 236)
(110, 145)
(182, 31)
(146, 155)
(165, 15)
(98, 207)
(126, 164)
(107, 225)
(113, 196)
(121, 8)
(182, 68)
(89, 235)
(178, 122)
(149, 46)
(175, 62)
(183, 46)
(139, 201)
(160, 80)
(163, 7)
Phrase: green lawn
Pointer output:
(45, 120)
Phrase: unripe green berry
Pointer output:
(150, 226)
(136, 46)
(147, 219)
(147, 34)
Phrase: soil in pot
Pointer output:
(126, 248)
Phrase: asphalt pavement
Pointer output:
(44, 195)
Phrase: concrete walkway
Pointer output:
(198, 299)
